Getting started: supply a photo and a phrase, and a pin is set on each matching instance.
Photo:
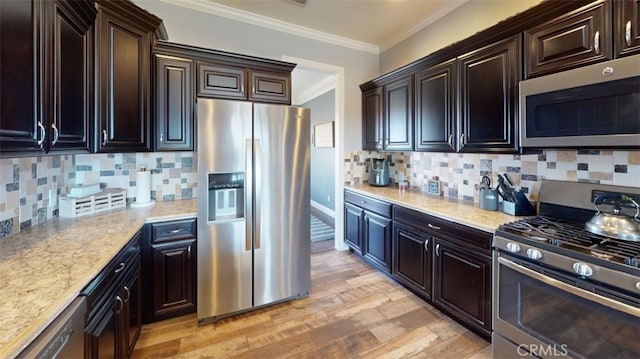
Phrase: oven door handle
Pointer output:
(571, 289)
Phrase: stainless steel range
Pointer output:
(562, 291)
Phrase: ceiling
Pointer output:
(379, 23)
(367, 25)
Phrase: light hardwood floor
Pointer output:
(353, 311)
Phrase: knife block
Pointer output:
(518, 208)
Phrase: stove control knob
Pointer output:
(583, 269)
(638, 286)
(534, 254)
(513, 247)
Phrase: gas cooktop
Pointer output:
(550, 233)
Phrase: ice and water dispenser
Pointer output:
(226, 196)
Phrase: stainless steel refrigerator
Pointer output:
(253, 206)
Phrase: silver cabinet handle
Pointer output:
(189, 252)
(432, 226)
(104, 137)
(596, 42)
(119, 300)
(426, 245)
(126, 289)
(161, 137)
(120, 268)
(176, 231)
(627, 33)
(43, 133)
(55, 134)
(462, 140)
(450, 140)
(438, 249)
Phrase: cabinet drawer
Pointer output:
(466, 236)
(368, 203)
(174, 230)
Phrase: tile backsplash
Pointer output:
(460, 172)
(26, 183)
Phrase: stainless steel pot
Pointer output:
(615, 224)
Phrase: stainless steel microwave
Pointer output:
(591, 106)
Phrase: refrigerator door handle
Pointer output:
(248, 205)
(258, 190)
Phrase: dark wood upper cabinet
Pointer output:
(372, 124)
(270, 87)
(70, 56)
(124, 35)
(575, 39)
(46, 70)
(225, 82)
(398, 115)
(174, 103)
(626, 27)
(21, 127)
(488, 84)
(435, 108)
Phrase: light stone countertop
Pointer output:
(449, 209)
(44, 267)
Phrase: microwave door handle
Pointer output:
(569, 288)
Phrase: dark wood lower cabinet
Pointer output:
(169, 259)
(353, 217)
(462, 284)
(173, 279)
(377, 240)
(412, 258)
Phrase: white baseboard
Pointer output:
(323, 209)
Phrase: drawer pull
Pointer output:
(627, 33)
(176, 231)
(126, 290)
(596, 42)
(119, 300)
(432, 226)
(363, 202)
(120, 268)
(426, 245)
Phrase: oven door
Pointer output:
(547, 314)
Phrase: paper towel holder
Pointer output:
(143, 189)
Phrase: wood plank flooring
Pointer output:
(353, 311)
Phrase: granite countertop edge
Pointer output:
(55, 252)
(453, 210)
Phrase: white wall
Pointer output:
(197, 28)
(466, 20)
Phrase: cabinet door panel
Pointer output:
(412, 258)
(124, 86)
(372, 130)
(353, 217)
(132, 310)
(267, 87)
(488, 88)
(626, 27)
(398, 116)
(435, 108)
(462, 284)
(221, 82)
(19, 69)
(72, 86)
(173, 279)
(174, 104)
(576, 39)
(377, 238)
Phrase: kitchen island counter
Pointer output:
(452, 210)
(44, 267)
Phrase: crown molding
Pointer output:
(450, 6)
(320, 88)
(259, 20)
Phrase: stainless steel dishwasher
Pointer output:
(64, 337)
